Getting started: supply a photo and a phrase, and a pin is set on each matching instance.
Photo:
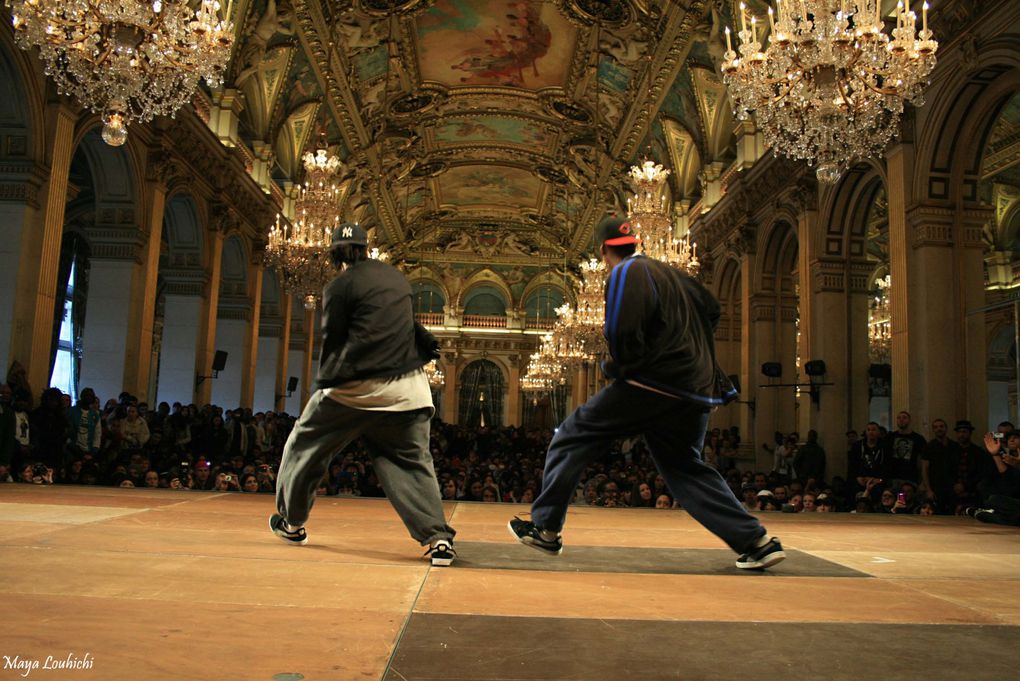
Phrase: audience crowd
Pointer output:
(182, 446)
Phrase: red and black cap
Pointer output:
(615, 231)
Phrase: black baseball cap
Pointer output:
(349, 233)
(615, 231)
(964, 425)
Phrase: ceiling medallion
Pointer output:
(550, 174)
(601, 12)
(387, 7)
(414, 102)
(429, 169)
(571, 112)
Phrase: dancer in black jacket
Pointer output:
(370, 384)
(660, 328)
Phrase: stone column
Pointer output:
(513, 397)
(936, 266)
(206, 345)
(142, 305)
(307, 374)
(283, 353)
(251, 341)
(31, 329)
(450, 364)
(116, 304)
(182, 312)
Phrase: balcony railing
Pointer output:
(429, 318)
(542, 323)
(482, 321)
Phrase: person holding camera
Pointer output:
(1002, 504)
(370, 384)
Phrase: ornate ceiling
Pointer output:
(485, 131)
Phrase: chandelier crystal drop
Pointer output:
(545, 370)
(650, 213)
(434, 374)
(126, 60)
(830, 85)
(880, 322)
(299, 250)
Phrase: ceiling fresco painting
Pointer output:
(494, 42)
(495, 129)
(489, 186)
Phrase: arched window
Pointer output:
(69, 317)
(427, 298)
(542, 303)
(485, 300)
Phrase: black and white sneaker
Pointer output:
(279, 528)
(441, 553)
(529, 534)
(762, 557)
(987, 515)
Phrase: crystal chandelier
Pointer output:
(126, 60)
(829, 87)
(545, 370)
(880, 323)
(649, 212)
(434, 374)
(299, 251)
(577, 336)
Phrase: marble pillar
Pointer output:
(250, 354)
(283, 354)
(206, 345)
(31, 327)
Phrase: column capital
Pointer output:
(20, 182)
(943, 226)
(117, 242)
(184, 282)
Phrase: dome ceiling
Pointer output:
(468, 127)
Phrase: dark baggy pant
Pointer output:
(675, 432)
(399, 444)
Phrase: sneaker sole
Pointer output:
(529, 543)
(442, 562)
(284, 538)
(770, 560)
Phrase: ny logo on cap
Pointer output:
(348, 232)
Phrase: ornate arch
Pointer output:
(965, 104)
(23, 91)
(548, 278)
(844, 211)
(486, 276)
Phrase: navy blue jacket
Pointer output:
(660, 326)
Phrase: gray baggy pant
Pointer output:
(399, 444)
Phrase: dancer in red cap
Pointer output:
(660, 326)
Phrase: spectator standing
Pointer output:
(905, 447)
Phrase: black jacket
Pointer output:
(660, 325)
(368, 326)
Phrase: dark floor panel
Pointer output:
(507, 556)
(472, 648)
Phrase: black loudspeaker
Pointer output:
(219, 360)
(292, 384)
(815, 367)
(772, 369)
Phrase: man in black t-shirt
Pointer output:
(905, 447)
(868, 461)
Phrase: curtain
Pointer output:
(482, 394)
(74, 250)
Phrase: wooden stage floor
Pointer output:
(160, 584)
